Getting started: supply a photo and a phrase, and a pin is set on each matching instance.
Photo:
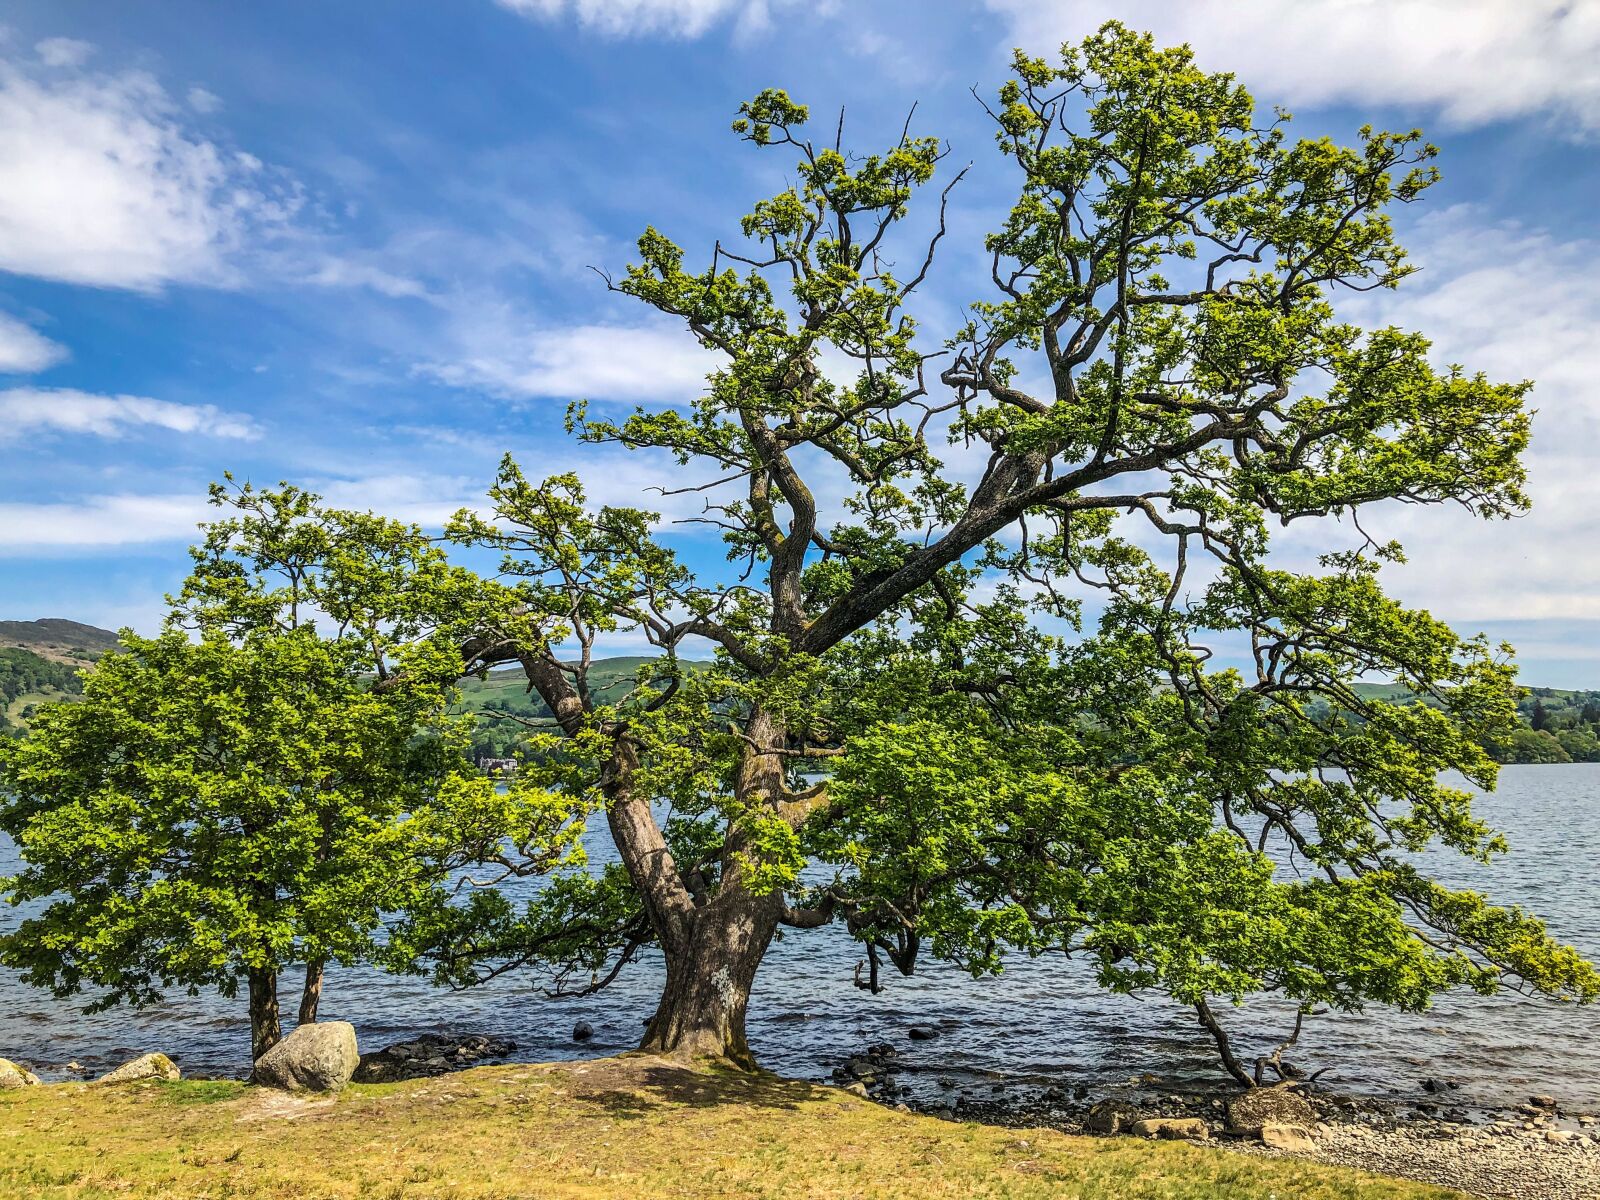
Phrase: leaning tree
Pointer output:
(900, 687)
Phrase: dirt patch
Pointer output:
(268, 1104)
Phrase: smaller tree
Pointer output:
(216, 810)
(1541, 716)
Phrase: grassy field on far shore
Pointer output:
(627, 1128)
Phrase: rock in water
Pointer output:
(582, 1031)
(1288, 1137)
(1111, 1116)
(146, 1066)
(1268, 1105)
(1172, 1128)
(314, 1058)
(13, 1076)
(923, 1033)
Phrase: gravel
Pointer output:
(1526, 1164)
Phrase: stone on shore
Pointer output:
(429, 1055)
(1267, 1105)
(1111, 1116)
(1172, 1128)
(13, 1076)
(1288, 1137)
(146, 1066)
(314, 1058)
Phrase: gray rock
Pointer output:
(1288, 1137)
(922, 1033)
(1172, 1128)
(146, 1066)
(1247, 1113)
(314, 1058)
(13, 1077)
(1111, 1116)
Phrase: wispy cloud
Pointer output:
(64, 52)
(1515, 303)
(495, 350)
(102, 183)
(120, 520)
(1474, 60)
(24, 350)
(64, 410)
(638, 18)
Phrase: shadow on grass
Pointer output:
(644, 1088)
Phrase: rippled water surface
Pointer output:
(1042, 1022)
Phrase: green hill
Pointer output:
(1558, 726)
(58, 640)
(40, 661)
(503, 703)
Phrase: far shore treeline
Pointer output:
(996, 656)
(1555, 725)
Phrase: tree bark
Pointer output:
(265, 1030)
(712, 957)
(311, 994)
(702, 1010)
(712, 945)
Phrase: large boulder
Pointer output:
(146, 1066)
(13, 1076)
(319, 1057)
(1247, 1113)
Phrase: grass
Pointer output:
(628, 1128)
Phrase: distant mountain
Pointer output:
(58, 639)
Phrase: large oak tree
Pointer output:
(1158, 376)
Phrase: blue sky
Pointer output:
(348, 245)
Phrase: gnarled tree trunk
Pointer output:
(713, 944)
(709, 976)
(713, 948)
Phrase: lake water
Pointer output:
(1044, 1022)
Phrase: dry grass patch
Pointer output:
(626, 1128)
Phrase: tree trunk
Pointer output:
(264, 1028)
(712, 957)
(714, 945)
(702, 1008)
(311, 994)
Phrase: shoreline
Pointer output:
(1539, 1149)
(1526, 1152)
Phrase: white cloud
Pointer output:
(494, 351)
(120, 520)
(63, 52)
(24, 350)
(203, 101)
(101, 184)
(1516, 304)
(343, 272)
(638, 18)
(1475, 60)
(64, 410)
